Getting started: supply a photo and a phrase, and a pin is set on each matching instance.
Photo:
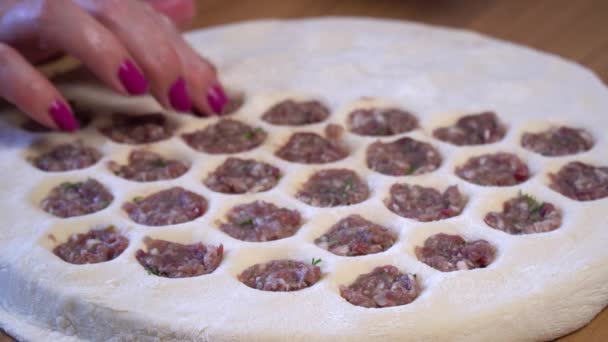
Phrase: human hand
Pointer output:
(130, 45)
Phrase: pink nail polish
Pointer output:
(179, 97)
(217, 99)
(63, 116)
(132, 78)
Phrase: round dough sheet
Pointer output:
(539, 287)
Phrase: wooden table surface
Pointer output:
(577, 30)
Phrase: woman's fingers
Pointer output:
(180, 12)
(22, 85)
(208, 94)
(65, 25)
(179, 77)
(121, 42)
(135, 24)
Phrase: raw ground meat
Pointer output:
(175, 260)
(498, 169)
(381, 121)
(401, 157)
(383, 287)
(95, 246)
(280, 275)
(525, 215)
(558, 141)
(448, 253)
(172, 206)
(311, 148)
(354, 235)
(333, 187)
(67, 157)
(261, 221)
(474, 129)
(425, 204)
(147, 166)
(226, 136)
(580, 181)
(295, 113)
(239, 176)
(138, 129)
(76, 199)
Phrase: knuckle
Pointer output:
(166, 60)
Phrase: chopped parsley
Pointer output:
(411, 170)
(70, 186)
(348, 186)
(252, 133)
(158, 163)
(533, 203)
(316, 261)
(246, 222)
(153, 271)
(381, 131)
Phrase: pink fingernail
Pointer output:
(179, 97)
(63, 116)
(132, 79)
(217, 98)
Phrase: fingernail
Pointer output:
(217, 98)
(63, 116)
(132, 79)
(179, 97)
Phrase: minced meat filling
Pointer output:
(383, 287)
(498, 169)
(147, 166)
(425, 204)
(354, 236)
(558, 141)
(333, 187)
(401, 157)
(95, 246)
(239, 176)
(138, 129)
(76, 199)
(172, 206)
(261, 221)
(381, 121)
(281, 275)
(67, 157)
(474, 129)
(291, 112)
(311, 148)
(226, 136)
(580, 181)
(525, 215)
(448, 253)
(175, 260)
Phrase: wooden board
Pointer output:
(577, 30)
